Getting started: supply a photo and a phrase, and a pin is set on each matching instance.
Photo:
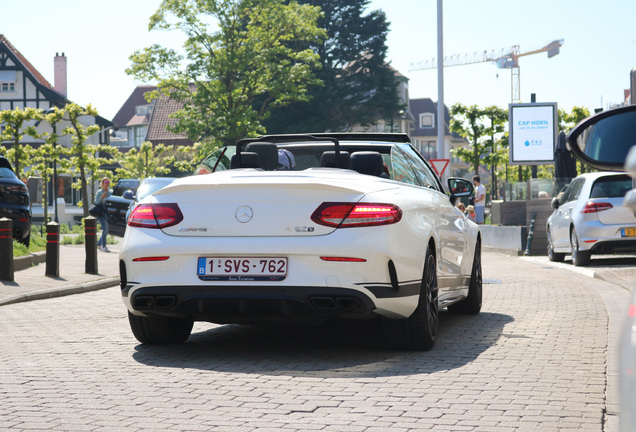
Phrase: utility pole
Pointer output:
(533, 99)
(441, 117)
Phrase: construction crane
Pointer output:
(504, 59)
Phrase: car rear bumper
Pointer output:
(245, 304)
(614, 246)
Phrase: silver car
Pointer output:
(589, 218)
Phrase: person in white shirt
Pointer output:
(480, 200)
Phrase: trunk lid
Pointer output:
(250, 203)
(617, 215)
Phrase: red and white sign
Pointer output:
(439, 165)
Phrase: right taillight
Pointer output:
(155, 216)
(351, 215)
(595, 207)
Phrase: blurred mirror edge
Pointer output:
(603, 140)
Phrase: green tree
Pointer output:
(48, 153)
(222, 71)
(157, 161)
(497, 155)
(357, 84)
(17, 124)
(568, 120)
(83, 157)
(479, 126)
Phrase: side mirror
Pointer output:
(555, 203)
(129, 194)
(459, 187)
(603, 140)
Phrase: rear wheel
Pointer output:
(26, 241)
(579, 257)
(552, 255)
(419, 331)
(471, 305)
(160, 330)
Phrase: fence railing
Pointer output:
(533, 189)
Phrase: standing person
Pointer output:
(100, 199)
(480, 200)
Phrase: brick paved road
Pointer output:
(534, 360)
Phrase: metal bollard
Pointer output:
(533, 217)
(52, 249)
(90, 241)
(6, 249)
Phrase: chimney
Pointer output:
(60, 74)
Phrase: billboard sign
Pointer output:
(533, 133)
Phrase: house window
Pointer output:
(429, 149)
(140, 135)
(142, 110)
(7, 81)
(7, 87)
(426, 120)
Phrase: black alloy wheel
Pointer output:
(419, 331)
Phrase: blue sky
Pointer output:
(592, 70)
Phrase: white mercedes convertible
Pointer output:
(303, 227)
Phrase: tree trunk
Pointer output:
(84, 191)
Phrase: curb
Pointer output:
(623, 284)
(64, 291)
(24, 262)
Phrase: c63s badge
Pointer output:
(300, 229)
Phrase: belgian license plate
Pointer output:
(628, 232)
(242, 268)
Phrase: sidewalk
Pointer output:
(32, 284)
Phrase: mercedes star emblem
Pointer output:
(244, 214)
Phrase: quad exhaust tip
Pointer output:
(348, 304)
(163, 302)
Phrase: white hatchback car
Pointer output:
(308, 227)
(589, 218)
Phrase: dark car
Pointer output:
(117, 204)
(14, 202)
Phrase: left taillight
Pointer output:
(155, 216)
(351, 215)
(595, 207)
(16, 188)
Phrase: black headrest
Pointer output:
(328, 159)
(248, 160)
(367, 162)
(268, 153)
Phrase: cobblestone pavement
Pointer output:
(540, 357)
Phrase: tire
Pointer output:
(579, 258)
(471, 305)
(419, 331)
(552, 255)
(26, 241)
(160, 330)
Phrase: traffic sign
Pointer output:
(439, 165)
